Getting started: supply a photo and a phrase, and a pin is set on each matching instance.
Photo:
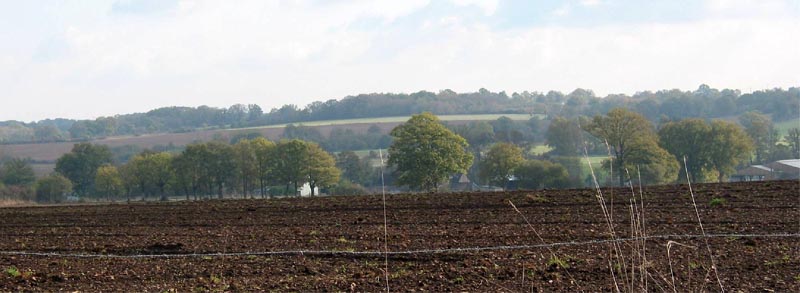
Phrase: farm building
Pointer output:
(753, 173)
(783, 169)
(460, 182)
(786, 169)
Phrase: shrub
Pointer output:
(52, 188)
(716, 202)
(346, 187)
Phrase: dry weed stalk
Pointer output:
(385, 224)
(669, 259)
(702, 229)
(609, 222)
(643, 231)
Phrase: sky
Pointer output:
(84, 59)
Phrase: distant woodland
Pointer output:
(553, 144)
(664, 105)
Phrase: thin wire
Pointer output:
(542, 241)
(398, 253)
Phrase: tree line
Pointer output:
(249, 167)
(705, 102)
(425, 153)
(422, 155)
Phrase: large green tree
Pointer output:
(689, 138)
(499, 163)
(564, 136)
(150, 172)
(80, 165)
(353, 167)
(322, 171)
(246, 165)
(108, 182)
(52, 188)
(265, 154)
(729, 146)
(763, 133)
(709, 148)
(624, 131)
(656, 165)
(425, 152)
(290, 163)
(793, 138)
(537, 174)
(192, 170)
(17, 172)
(221, 166)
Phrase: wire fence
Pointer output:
(395, 253)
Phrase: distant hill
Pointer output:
(44, 155)
(705, 102)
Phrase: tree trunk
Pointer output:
(312, 189)
(244, 186)
(261, 187)
(619, 173)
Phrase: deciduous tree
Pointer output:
(793, 138)
(17, 172)
(353, 167)
(265, 154)
(564, 136)
(321, 168)
(623, 130)
(763, 133)
(425, 152)
(108, 182)
(688, 138)
(52, 188)
(729, 146)
(499, 163)
(656, 165)
(246, 165)
(80, 165)
(221, 166)
(537, 174)
(290, 163)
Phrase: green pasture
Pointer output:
(783, 127)
(539, 149)
(398, 119)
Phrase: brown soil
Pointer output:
(416, 222)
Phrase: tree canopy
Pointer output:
(17, 172)
(625, 132)
(52, 188)
(80, 165)
(426, 153)
(709, 148)
(498, 165)
(704, 102)
(538, 174)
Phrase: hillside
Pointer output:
(45, 154)
(705, 102)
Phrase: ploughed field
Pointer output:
(188, 246)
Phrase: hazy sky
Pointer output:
(86, 58)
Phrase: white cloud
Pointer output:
(274, 53)
(590, 3)
(488, 6)
(563, 10)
